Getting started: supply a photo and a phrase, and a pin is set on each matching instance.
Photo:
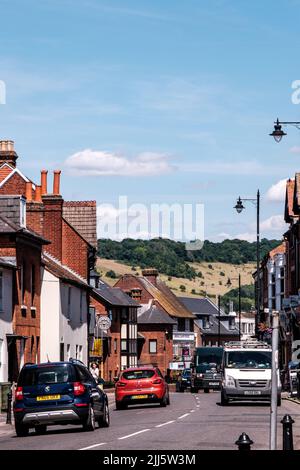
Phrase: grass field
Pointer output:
(213, 282)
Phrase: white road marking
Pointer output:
(164, 424)
(198, 406)
(192, 411)
(94, 445)
(183, 416)
(133, 434)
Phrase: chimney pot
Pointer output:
(44, 181)
(38, 193)
(56, 182)
(28, 191)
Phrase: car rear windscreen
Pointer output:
(138, 374)
(46, 375)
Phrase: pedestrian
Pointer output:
(94, 370)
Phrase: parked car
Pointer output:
(184, 380)
(141, 385)
(56, 393)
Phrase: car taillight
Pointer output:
(121, 384)
(157, 381)
(19, 394)
(79, 389)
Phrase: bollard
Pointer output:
(244, 442)
(8, 415)
(287, 433)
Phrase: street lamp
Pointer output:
(278, 133)
(240, 309)
(239, 207)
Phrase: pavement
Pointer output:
(191, 422)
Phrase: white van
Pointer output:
(246, 372)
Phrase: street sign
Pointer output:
(103, 322)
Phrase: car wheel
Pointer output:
(21, 430)
(104, 420)
(206, 390)
(279, 401)
(163, 402)
(120, 406)
(90, 422)
(41, 429)
(224, 400)
(168, 399)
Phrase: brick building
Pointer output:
(56, 248)
(118, 346)
(21, 247)
(173, 351)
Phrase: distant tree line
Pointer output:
(171, 257)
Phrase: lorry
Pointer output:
(205, 369)
(246, 372)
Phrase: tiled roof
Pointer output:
(114, 296)
(164, 297)
(203, 306)
(5, 170)
(155, 315)
(213, 329)
(82, 215)
(289, 198)
(55, 267)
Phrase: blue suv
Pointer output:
(56, 393)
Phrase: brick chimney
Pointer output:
(53, 222)
(44, 181)
(7, 153)
(28, 191)
(151, 275)
(56, 181)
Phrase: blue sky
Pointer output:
(162, 101)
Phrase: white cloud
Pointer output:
(295, 149)
(276, 193)
(275, 223)
(100, 163)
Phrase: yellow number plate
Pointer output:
(139, 396)
(48, 397)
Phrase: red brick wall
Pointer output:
(74, 250)
(35, 217)
(15, 185)
(126, 283)
(52, 227)
(164, 353)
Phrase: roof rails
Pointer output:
(247, 344)
(76, 361)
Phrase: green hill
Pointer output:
(171, 257)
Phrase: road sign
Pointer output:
(103, 322)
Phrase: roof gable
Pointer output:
(5, 170)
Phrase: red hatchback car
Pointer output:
(141, 385)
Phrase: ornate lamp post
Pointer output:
(239, 207)
(278, 133)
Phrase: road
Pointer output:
(192, 421)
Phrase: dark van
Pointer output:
(205, 370)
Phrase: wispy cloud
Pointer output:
(101, 163)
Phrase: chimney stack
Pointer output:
(7, 153)
(56, 182)
(44, 181)
(38, 193)
(28, 191)
(151, 274)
